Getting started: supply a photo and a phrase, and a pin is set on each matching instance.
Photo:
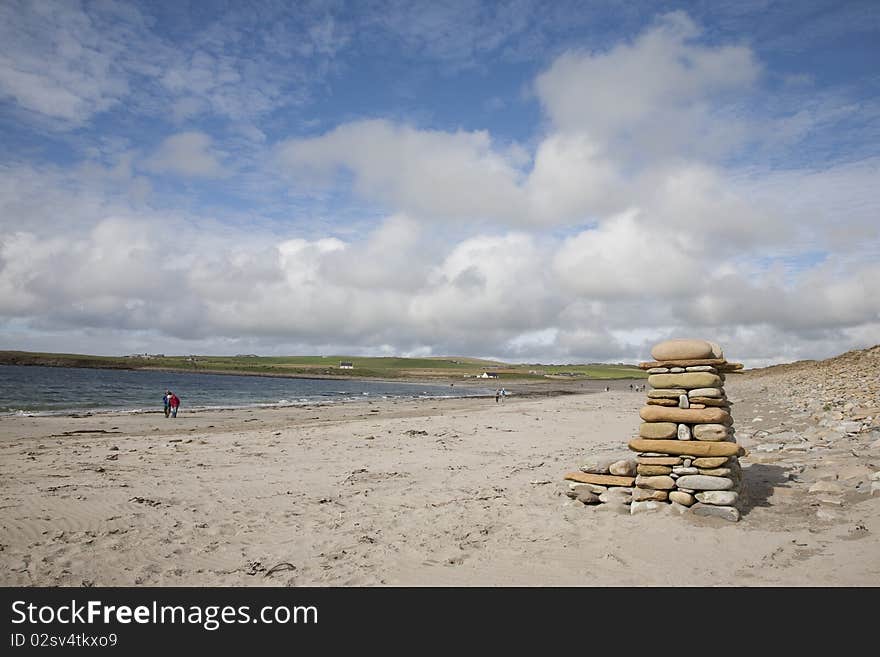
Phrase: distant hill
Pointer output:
(448, 368)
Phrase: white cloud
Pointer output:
(55, 61)
(650, 97)
(422, 172)
(188, 154)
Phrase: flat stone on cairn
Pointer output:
(698, 429)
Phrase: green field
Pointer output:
(445, 368)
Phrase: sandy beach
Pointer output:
(456, 492)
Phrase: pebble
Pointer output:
(726, 512)
(616, 496)
(653, 470)
(684, 432)
(662, 482)
(711, 461)
(669, 393)
(645, 494)
(715, 472)
(681, 349)
(658, 430)
(586, 497)
(659, 460)
(593, 488)
(711, 432)
(641, 507)
(716, 393)
(718, 497)
(688, 380)
(623, 468)
(704, 482)
(682, 470)
(683, 401)
(658, 370)
(679, 497)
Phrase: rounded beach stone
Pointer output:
(644, 494)
(662, 402)
(616, 496)
(654, 470)
(706, 392)
(711, 432)
(683, 447)
(688, 380)
(685, 415)
(718, 497)
(663, 482)
(623, 468)
(682, 470)
(704, 482)
(683, 401)
(684, 432)
(716, 472)
(710, 401)
(660, 460)
(586, 497)
(682, 350)
(677, 370)
(642, 507)
(658, 370)
(681, 498)
(671, 393)
(577, 487)
(597, 465)
(726, 512)
(699, 368)
(711, 461)
(658, 430)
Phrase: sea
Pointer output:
(37, 390)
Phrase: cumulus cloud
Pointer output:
(662, 78)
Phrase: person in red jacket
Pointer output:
(174, 403)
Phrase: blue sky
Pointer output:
(561, 181)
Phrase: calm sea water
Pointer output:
(58, 390)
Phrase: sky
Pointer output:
(558, 182)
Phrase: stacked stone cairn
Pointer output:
(687, 452)
(688, 457)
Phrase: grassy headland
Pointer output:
(435, 368)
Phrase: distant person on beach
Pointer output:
(503, 394)
(166, 399)
(174, 402)
(497, 395)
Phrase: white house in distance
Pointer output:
(346, 365)
(488, 375)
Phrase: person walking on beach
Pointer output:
(497, 394)
(503, 394)
(166, 399)
(174, 402)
